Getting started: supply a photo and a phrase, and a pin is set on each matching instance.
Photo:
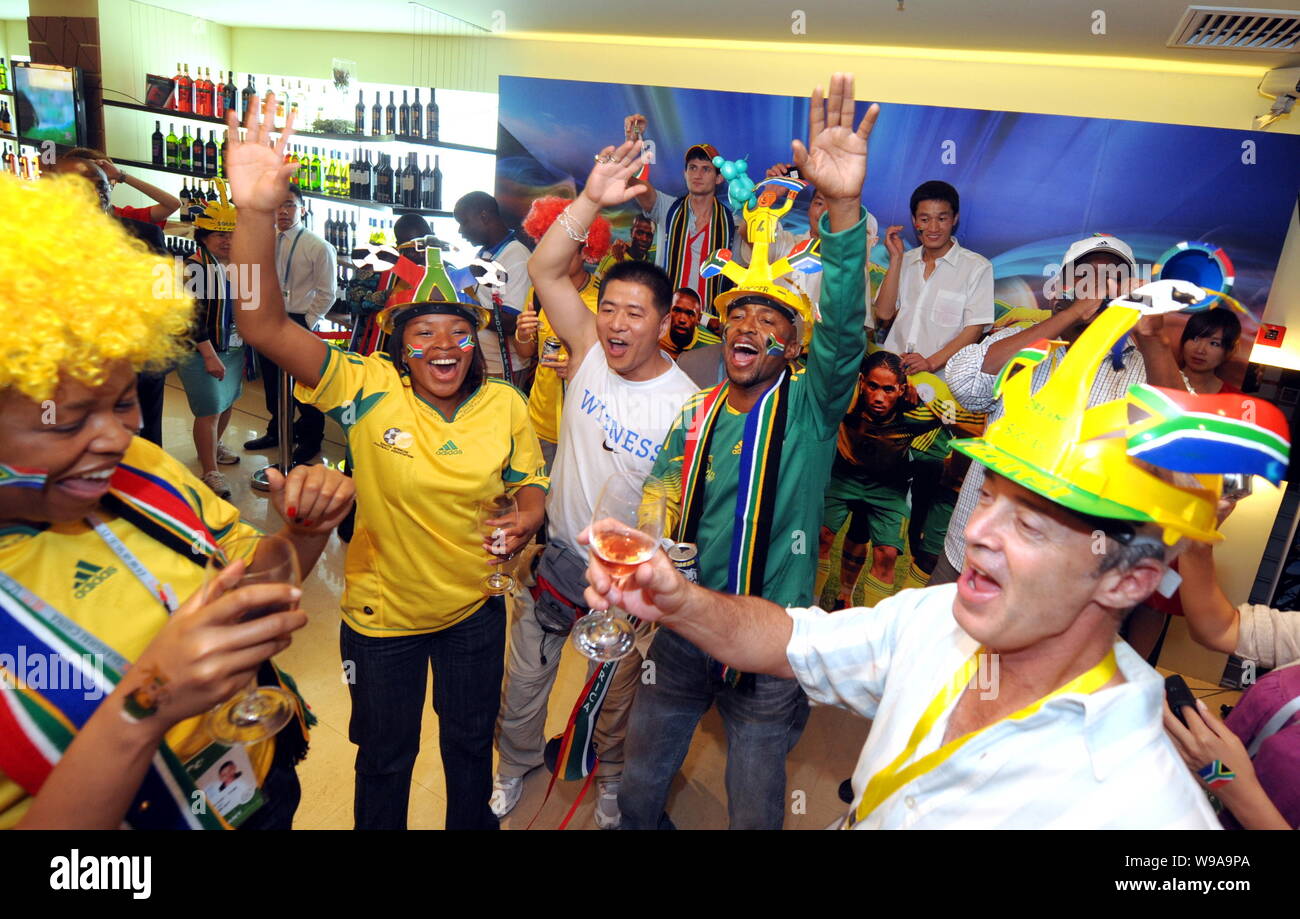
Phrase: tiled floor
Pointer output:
(823, 758)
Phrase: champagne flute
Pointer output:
(259, 711)
(626, 526)
(499, 508)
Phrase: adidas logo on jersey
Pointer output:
(448, 449)
(88, 577)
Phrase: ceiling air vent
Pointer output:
(1207, 27)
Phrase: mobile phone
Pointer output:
(1178, 695)
(1236, 485)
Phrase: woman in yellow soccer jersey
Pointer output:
(111, 648)
(432, 437)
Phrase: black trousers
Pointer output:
(309, 428)
(149, 388)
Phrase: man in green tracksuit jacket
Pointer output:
(746, 465)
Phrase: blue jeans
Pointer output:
(388, 681)
(763, 724)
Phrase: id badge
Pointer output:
(226, 777)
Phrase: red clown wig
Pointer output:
(544, 212)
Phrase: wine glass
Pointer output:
(505, 512)
(259, 711)
(626, 526)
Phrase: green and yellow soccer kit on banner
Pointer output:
(99, 601)
(416, 557)
(814, 401)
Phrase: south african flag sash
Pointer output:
(756, 491)
(38, 724)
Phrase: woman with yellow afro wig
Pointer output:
(104, 540)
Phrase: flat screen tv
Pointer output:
(49, 102)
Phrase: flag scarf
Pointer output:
(680, 219)
(756, 491)
(36, 726)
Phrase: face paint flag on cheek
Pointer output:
(775, 347)
(22, 476)
(466, 343)
(413, 353)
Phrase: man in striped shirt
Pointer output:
(1093, 270)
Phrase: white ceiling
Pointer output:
(1136, 28)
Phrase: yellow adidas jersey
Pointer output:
(546, 400)
(71, 568)
(416, 557)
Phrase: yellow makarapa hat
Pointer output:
(1094, 460)
(775, 198)
(219, 215)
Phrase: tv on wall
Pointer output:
(49, 102)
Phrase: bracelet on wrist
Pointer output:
(571, 227)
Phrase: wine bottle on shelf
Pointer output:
(186, 200)
(232, 94)
(353, 174)
(328, 233)
(210, 153)
(11, 160)
(384, 181)
(4, 76)
(376, 117)
(219, 96)
(302, 177)
(367, 189)
(212, 191)
(221, 160)
(186, 150)
(426, 184)
(411, 181)
(198, 154)
(248, 97)
(6, 119)
(171, 148)
(361, 111)
(352, 232)
(204, 94)
(417, 116)
(390, 115)
(184, 99)
(314, 176)
(399, 172)
(280, 110)
(431, 118)
(437, 186)
(404, 117)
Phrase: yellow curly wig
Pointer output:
(77, 292)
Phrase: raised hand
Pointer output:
(894, 243)
(634, 127)
(258, 174)
(835, 160)
(607, 184)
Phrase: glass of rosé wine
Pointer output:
(627, 524)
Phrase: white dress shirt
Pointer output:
(931, 311)
(307, 269)
(1082, 761)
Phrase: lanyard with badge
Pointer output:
(234, 800)
(897, 774)
(288, 264)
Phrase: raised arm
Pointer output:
(165, 204)
(835, 161)
(1211, 619)
(259, 181)
(885, 306)
(549, 266)
(634, 130)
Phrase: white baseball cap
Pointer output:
(1081, 248)
(1098, 242)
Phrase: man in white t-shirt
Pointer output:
(623, 393)
(940, 294)
(480, 222)
(1005, 700)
